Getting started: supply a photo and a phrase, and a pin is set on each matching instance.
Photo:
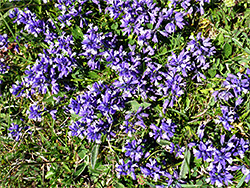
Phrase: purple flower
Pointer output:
(15, 131)
(126, 169)
(246, 172)
(204, 151)
(165, 131)
(219, 175)
(239, 84)
(35, 112)
(93, 45)
(227, 118)
(179, 19)
(4, 42)
(77, 129)
(134, 150)
(13, 13)
(53, 114)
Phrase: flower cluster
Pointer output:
(137, 14)
(72, 10)
(134, 150)
(234, 90)
(95, 45)
(193, 59)
(16, 131)
(146, 89)
(96, 108)
(221, 159)
(165, 131)
(35, 112)
(49, 70)
(4, 42)
(33, 25)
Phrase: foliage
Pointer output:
(123, 93)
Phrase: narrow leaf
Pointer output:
(185, 165)
(227, 50)
(80, 169)
(94, 154)
(241, 181)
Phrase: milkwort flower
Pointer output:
(96, 108)
(221, 158)
(237, 146)
(234, 88)
(13, 13)
(77, 129)
(219, 175)
(32, 24)
(152, 169)
(245, 171)
(74, 10)
(151, 80)
(200, 49)
(127, 168)
(238, 84)
(133, 150)
(172, 88)
(15, 131)
(189, 6)
(4, 42)
(204, 150)
(145, 19)
(35, 112)
(96, 45)
(181, 63)
(165, 131)
(52, 66)
(227, 118)
(3, 67)
(115, 8)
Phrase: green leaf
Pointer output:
(150, 26)
(241, 181)
(247, 50)
(227, 50)
(185, 164)
(164, 142)
(5, 15)
(77, 33)
(135, 105)
(247, 161)
(82, 153)
(80, 169)
(114, 26)
(93, 74)
(245, 115)
(66, 167)
(145, 104)
(119, 185)
(178, 112)
(221, 38)
(212, 72)
(94, 154)
(50, 174)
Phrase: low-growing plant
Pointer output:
(124, 93)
